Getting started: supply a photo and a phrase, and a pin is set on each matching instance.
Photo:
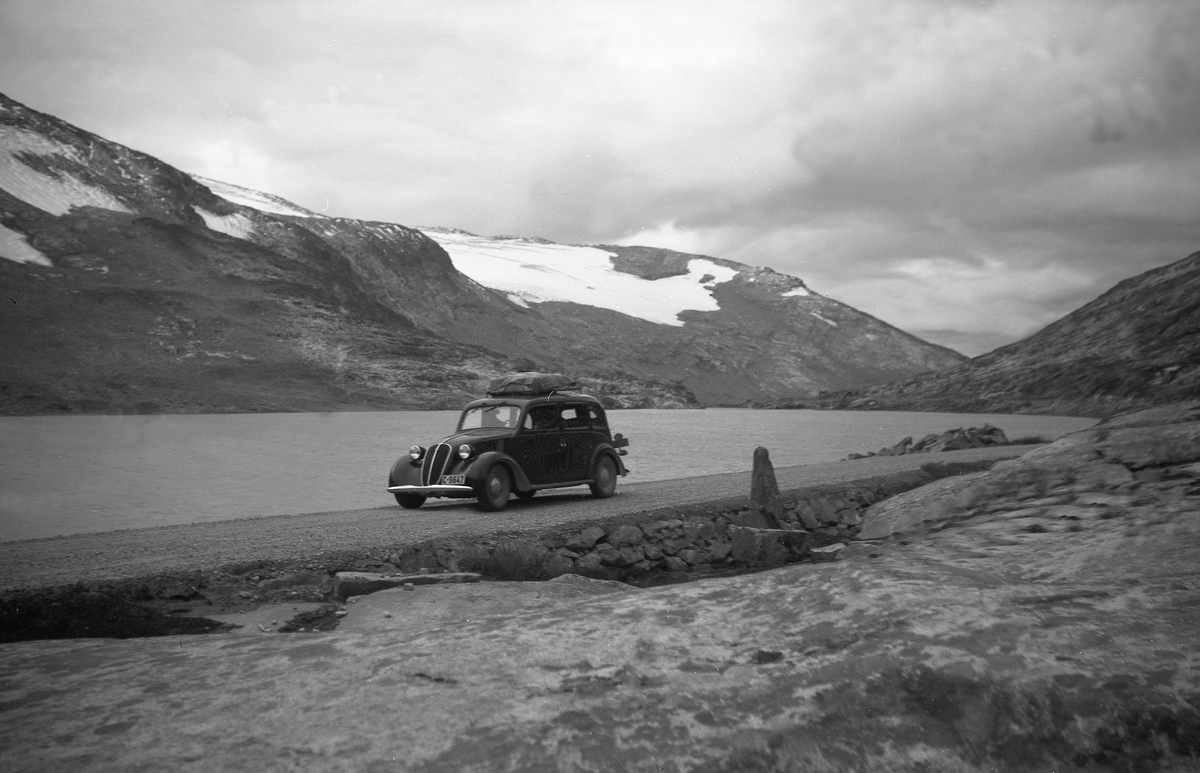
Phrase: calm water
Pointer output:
(71, 474)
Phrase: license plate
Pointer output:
(454, 480)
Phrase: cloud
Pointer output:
(925, 161)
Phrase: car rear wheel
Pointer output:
(410, 501)
(493, 495)
(604, 484)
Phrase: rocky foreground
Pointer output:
(1042, 615)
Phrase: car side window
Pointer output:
(489, 416)
(596, 417)
(543, 417)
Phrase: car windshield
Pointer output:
(490, 416)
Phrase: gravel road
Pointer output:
(207, 546)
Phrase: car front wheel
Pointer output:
(604, 484)
(493, 495)
(410, 501)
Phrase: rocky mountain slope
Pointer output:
(1136, 345)
(131, 286)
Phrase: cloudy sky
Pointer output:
(968, 171)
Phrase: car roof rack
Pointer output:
(530, 385)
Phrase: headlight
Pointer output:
(464, 452)
(415, 453)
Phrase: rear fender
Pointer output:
(606, 450)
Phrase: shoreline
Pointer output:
(172, 580)
(128, 554)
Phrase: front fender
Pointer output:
(405, 472)
(479, 466)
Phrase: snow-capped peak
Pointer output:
(248, 197)
(536, 271)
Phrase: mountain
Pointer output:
(1135, 346)
(132, 286)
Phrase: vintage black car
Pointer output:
(530, 433)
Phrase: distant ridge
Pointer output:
(142, 288)
(1137, 345)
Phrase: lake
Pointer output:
(72, 474)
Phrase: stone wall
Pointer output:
(725, 535)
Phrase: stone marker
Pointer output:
(764, 489)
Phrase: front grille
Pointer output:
(437, 460)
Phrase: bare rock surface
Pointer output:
(268, 618)
(1044, 615)
(399, 611)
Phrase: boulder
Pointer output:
(293, 580)
(924, 443)
(626, 535)
(593, 583)
(589, 562)
(951, 440)
(827, 553)
(750, 517)
(718, 551)
(559, 565)
(347, 584)
(673, 564)
(585, 539)
(661, 529)
(631, 554)
(808, 518)
(609, 555)
(767, 547)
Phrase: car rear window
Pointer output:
(575, 417)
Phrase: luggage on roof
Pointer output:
(530, 385)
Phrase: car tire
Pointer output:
(410, 501)
(604, 483)
(493, 494)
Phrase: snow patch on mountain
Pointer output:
(14, 247)
(797, 292)
(826, 321)
(541, 272)
(247, 197)
(236, 224)
(55, 193)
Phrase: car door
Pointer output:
(540, 446)
(581, 438)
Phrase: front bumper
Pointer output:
(434, 491)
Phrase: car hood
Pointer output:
(477, 435)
